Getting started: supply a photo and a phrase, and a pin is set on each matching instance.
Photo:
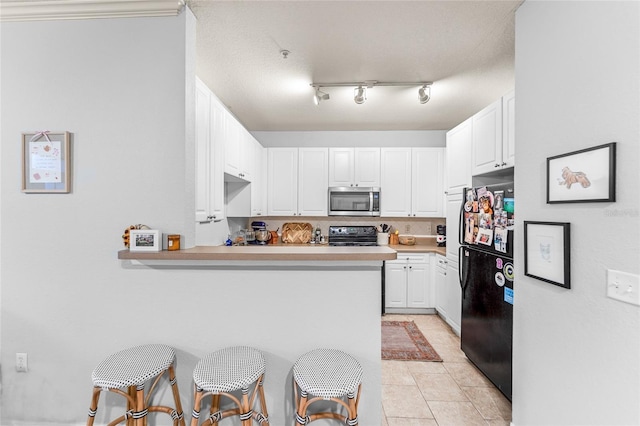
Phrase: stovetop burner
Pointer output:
(352, 235)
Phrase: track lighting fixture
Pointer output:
(359, 95)
(360, 89)
(424, 93)
(320, 96)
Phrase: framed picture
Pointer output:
(46, 165)
(145, 240)
(546, 252)
(588, 175)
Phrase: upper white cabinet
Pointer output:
(494, 136)
(259, 181)
(458, 167)
(239, 149)
(297, 181)
(210, 129)
(412, 182)
(354, 167)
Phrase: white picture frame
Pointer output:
(145, 240)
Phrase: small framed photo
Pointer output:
(546, 252)
(145, 240)
(46, 162)
(585, 176)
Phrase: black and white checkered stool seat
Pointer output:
(229, 369)
(327, 373)
(133, 366)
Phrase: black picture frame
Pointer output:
(584, 176)
(546, 252)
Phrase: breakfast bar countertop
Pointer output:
(271, 252)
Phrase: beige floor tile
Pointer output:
(420, 367)
(439, 387)
(454, 413)
(490, 405)
(466, 374)
(396, 373)
(404, 401)
(450, 353)
(499, 422)
(399, 421)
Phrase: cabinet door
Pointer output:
(367, 167)
(487, 139)
(203, 167)
(395, 182)
(395, 290)
(282, 181)
(454, 204)
(217, 161)
(459, 156)
(418, 286)
(232, 145)
(313, 181)
(258, 184)
(247, 153)
(427, 182)
(508, 129)
(441, 285)
(454, 299)
(341, 166)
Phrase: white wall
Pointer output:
(576, 352)
(404, 138)
(118, 85)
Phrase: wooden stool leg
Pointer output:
(215, 408)
(197, 401)
(179, 415)
(353, 408)
(140, 411)
(93, 407)
(301, 405)
(263, 404)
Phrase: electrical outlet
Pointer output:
(623, 286)
(407, 228)
(21, 362)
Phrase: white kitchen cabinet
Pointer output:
(408, 282)
(454, 204)
(453, 302)
(412, 182)
(259, 181)
(313, 164)
(427, 182)
(297, 181)
(458, 167)
(440, 285)
(508, 129)
(239, 148)
(209, 156)
(493, 146)
(354, 167)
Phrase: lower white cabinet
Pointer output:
(408, 282)
(453, 300)
(440, 284)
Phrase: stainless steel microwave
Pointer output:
(354, 201)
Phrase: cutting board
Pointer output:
(296, 233)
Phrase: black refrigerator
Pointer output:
(486, 278)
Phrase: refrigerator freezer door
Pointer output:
(487, 314)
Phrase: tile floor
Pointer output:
(449, 393)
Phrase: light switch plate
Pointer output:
(623, 286)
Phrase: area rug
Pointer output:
(401, 340)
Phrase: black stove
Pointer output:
(353, 236)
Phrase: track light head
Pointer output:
(424, 93)
(359, 95)
(320, 96)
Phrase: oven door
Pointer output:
(354, 201)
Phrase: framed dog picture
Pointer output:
(585, 176)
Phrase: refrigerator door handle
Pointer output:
(462, 270)
(461, 218)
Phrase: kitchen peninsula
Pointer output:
(284, 300)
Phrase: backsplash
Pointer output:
(411, 226)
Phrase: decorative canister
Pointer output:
(383, 238)
(173, 242)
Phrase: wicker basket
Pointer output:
(407, 240)
(296, 233)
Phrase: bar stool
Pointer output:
(327, 375)
(225, 371)
(131, 369)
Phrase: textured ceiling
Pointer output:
(465, 47)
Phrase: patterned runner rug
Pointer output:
(401, 340)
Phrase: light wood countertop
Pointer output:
(275, 252)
